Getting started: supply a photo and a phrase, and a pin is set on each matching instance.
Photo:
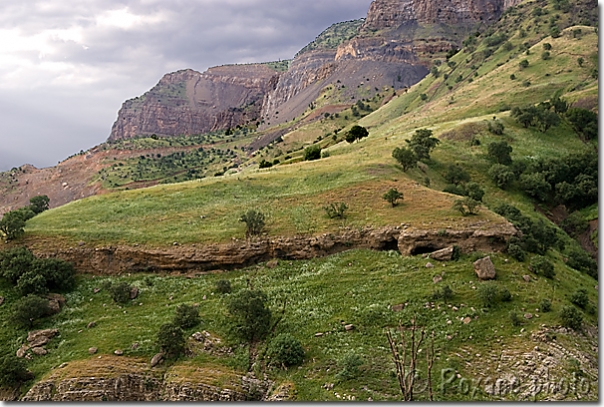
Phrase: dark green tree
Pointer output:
(12, 224)
(27, 310)
(466, 206)
(585, 122)
(392, 196)
(254, 221)
(120, 292)
(15, 262)
(405, 157)
(500, 152)
(422, 143)
(39, 204)
(13, 371)
(474, 191)
(571, 317)
(187, 316)
(171, 340)
(356, 133)
(285, 350)
(456, 174)
(501, 175)
(251, 315)
(312, 153)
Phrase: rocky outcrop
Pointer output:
(408, 241)
(188, 102)
(485, 269)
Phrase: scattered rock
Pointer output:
(57, 297)
(272, 264)
(528, 316)
(22, 350)
(437, 279)
(135, 346)
(467, 320)
(429, 266)
(527, 278)
(318, 334)
(157, 359)
(96, 290)
(39, 351)
(62, 365)
(49, 333)
(93, 350)
(54, 307)
(39, 341)
(485, 269)
(91, 325)
(205, 297)
(455, 309)
(198, 337)
(398, 307)
(349, 327)
(445, 254)
(118, 352)
(133, 293)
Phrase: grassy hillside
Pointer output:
(477, 342)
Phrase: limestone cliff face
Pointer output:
(188, 102)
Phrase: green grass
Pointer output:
(355, 287)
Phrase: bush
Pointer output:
(265, 164)
(575, 224)
(251, 315)
(444, 293)
(405, 157)
(488, 295)
(500, 151)
(496, 127)
(580, 260)
(570, 317)
(312, 153)
(545, 305)
(542, 266)
(120, 292)
(187, 316)
(59, 274)
(336, 210)
(474, 191)
(13, 371)
(392, 196)
(502, 175)
(15, 262)
(455, 189)
(12, 224)
(514, 318)
(171, 340)
(580, 298)
(505, 295)
(285, 350)
(516, 252)
(254, 221)
(545, 55)
(32, 283)
(466, 206)
(349, 366)
(27, 310)
(456, 174)
(223, 287)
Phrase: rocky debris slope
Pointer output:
(484, 237)
(188, 102)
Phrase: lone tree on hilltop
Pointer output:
(422, 143)
(405, 157)
(356, 133)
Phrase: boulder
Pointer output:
(118, 352)
(54, 307)
(157, 359)
(429, 266)
(349, 327)
(39, 351)
(57, 297)
(39, 341)
(485, 269)
(22, 350)
(526, 278)
(437, 279)
(93, 350)
(445, 254)
(528, 316)
(133, 293)
(49, 333)
(467, 320)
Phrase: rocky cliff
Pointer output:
(189, 102)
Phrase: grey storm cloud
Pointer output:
(66, 67)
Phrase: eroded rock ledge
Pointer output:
(483, 236)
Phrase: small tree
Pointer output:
(523, 64)
(422, 143)
(187, 316)
(356, 133)
(456, 174)
(488, 294)
(541, 265)
(474, 191)
(580, 298)
(405, 157)
(500, 152)
(12, 225)
(349, 366)
(571, 317)
(223, 286)
(545, 305)
(466, 206)
(251, 315)
(120, 292)
(171, 340)
(15, 262)
(312, 153)
(392, 196)
(496, 127)
(39, 204)
(502, 175)
(285, 350)
(27, 310)
(254, 221)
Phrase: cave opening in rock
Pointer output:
(389, 245)
(424, 249)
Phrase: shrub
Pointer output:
(12, 225)
(27, 310)
(392, 196)
(455, 189)
(15, 262)
(251, 315)
(523, 64)
(59, 274)
(336, 210)
(514, 318)
(516, 252)
(580, 260)
(32, 283)
(312, 153)
(356, 133)
(474, 191)
(254, 221)
(456, 174)
(570, 317)
(13, 371)
(349, 366)
(502, 175)
(547, 46)
(444, 293)
(488, 295)
(496, 127)
(574, 224)
(505, 295)
(466, 206)
(120, 292)
(187, 316)
(171, 340)
(580, 298)
(265, 164)
(545, 55)
(545, 305)
(223, 287)
(542, 266)
(285, 350)
(500, 151)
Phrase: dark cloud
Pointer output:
(66, 67)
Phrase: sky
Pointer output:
(66, 67)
